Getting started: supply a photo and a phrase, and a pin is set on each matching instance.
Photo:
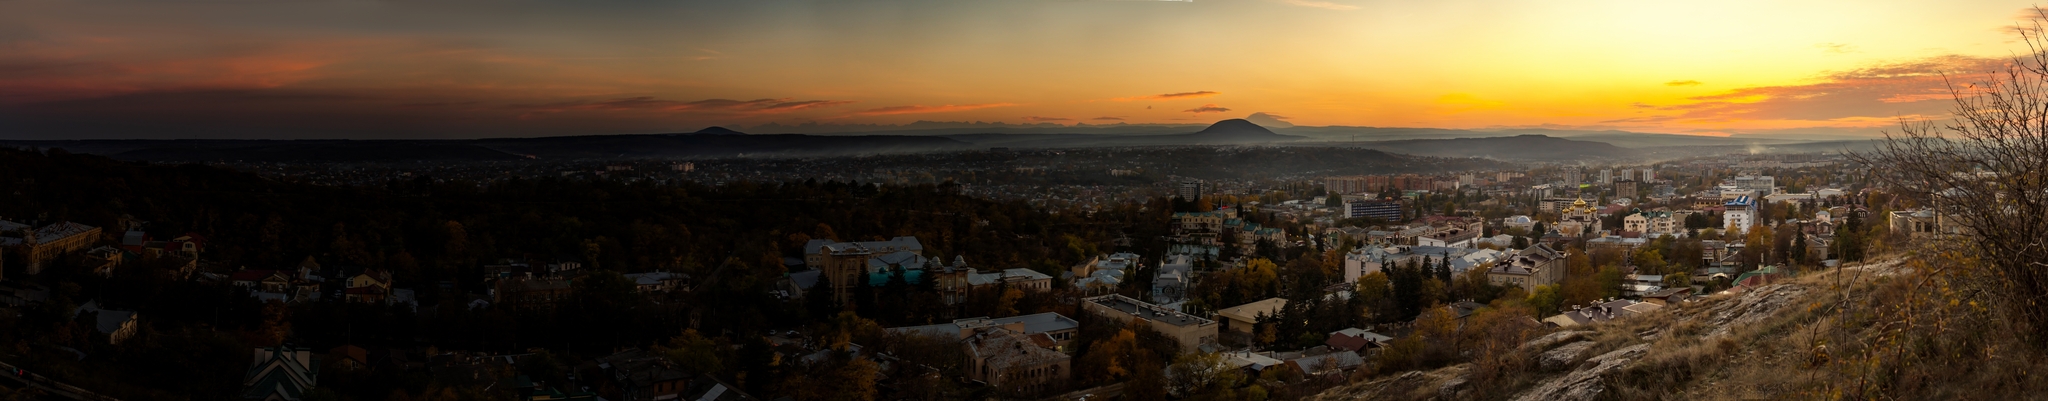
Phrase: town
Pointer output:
(1217, 288)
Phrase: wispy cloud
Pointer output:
(1319, 4)
(1207, 108)
(1874, 95)
(1836, 48)
(1108, 119)
(650, 103)
(921, 109)
(1046, 119)
(1170, 96)
(1683, 83)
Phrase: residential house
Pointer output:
(117, 325)
(282, 373)
(1538, 265)
(1355, 340)
(370, 286)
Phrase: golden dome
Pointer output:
(1580, 203)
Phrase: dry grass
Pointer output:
(1889, 331)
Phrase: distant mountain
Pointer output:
(1521, 147)
(1237, 131)
(689, 145)
(717, 130)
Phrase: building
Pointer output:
(1346, 185)
(1650, 224)
(283, 373)
(41, 245)
(1572, 178)
(524, 293)
(1606, 176)
(1389, 210)
(370, 286)
(117, 325)
(659, 281)
(1245, 318)
(1176, 275)
(1628, 174)
(814, 250)
(1762, 184)
(1187, 329)
(1626, 187)
(1923, 223)
(1189, 190)
(1355, 340)
(1579, 219)
(1739, 214)
(1539, 265)
(636, 375)
(1059, 328)
(1015, 361)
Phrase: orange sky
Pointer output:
(473, 68)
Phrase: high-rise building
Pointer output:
(1647, 177)
(1571, 178)
(1628, 174)
(1190, 190)
(1606, 176)
(1346, 185)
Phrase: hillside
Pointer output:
(1865, 331)
(1522, 147)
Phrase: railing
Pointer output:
(58, 389)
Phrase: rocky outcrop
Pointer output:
(1752, 306)
(1585, 383)
(1551, 340)
(1563, 357)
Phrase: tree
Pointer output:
(1984, 171)
(1201, 372)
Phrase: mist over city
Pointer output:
(1058, 200)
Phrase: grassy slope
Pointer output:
(1879, 330)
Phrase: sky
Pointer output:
(98, 69)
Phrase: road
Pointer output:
(15, 378)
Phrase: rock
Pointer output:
(1584, 384)
(1753, 306)
(1548, 340)
(1453, 389)
(1562, 357)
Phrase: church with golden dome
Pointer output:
(1579, 219)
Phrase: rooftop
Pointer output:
(1148, 311)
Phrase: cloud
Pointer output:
(1319, 4)
(1170, 96)
(649, 103)
(921, 109)
(1044, 119)
(1872, 96)
(1108, 119)
(1207, 108)
(1683, 83)
(1836, 48)
(1269, 120)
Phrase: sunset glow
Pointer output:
(457, 69)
